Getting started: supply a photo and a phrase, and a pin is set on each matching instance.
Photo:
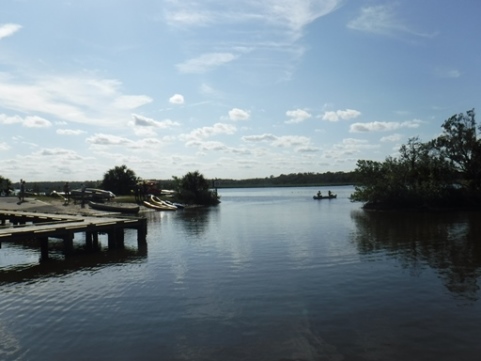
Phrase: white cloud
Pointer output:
(297, 116)
(382, 126)
(392, 138)
(205, 62)
(7, 30)
(36, 122)
(241, 151)
(176, 99)
(149, 143)
(302, 144)
(28, 122)
(106, 139)
(76, 98)
(357, 144)
(131, 101)
(4, 119)
(296, 14)
(206, 132)
(207, 146)
(187, 17)
(236, 114)
(4, 146)
(58, 152)
(348, 147)
(271, 30)
(308, 149)
(145, 132)
(291, 141)
(382, 19)
(70, 132)
(375, 19)
(259, 138)
(293, 15)
(334, 116)
(142, 121)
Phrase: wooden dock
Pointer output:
(19, 225)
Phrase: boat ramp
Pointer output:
(22, 225)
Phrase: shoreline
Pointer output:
(58, 206)
(53, 205)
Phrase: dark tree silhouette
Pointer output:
(120, 180)
(445, 171)
(5, 185)
(459, 143)
(194, 188)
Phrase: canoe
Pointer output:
(325, 197)
(159, 202)
(158, 207)
(133, 209)
(167, 191)
(177, 205)
(156, 200)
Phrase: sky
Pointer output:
(230, 88)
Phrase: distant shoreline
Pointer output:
(284, 185)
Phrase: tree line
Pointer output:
(442, 172)
(121, 180)
(292, 179)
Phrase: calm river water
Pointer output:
(269, 274)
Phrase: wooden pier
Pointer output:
(17, 225)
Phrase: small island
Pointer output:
(442, 173)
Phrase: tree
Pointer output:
(427, 172)
(381, 182)
(460, 145)
(194, 188)
(5, 185)
(419, 177)
(120, 180)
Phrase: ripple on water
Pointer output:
(282, 279)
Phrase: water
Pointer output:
(269, 274)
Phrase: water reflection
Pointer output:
(196, 221)
(81, 259)
(9, 345)
(447, 242)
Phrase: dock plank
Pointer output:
(57, 225)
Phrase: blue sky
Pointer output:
(231, 88)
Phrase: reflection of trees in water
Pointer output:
(447, 242)
(195, 221)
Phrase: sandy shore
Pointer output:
(53, 205)
(57, 206)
